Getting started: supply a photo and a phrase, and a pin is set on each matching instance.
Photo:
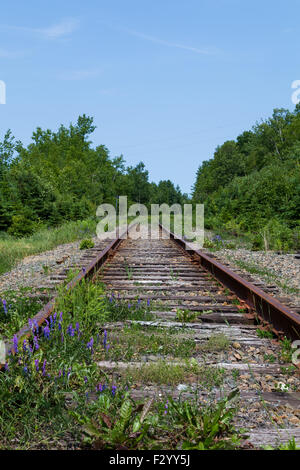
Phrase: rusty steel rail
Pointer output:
(85, 273)
(282, 320)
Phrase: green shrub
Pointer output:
(21, 226)
(86, 244)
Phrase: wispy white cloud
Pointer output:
(63, 28)
(79, 74)
(197, 50)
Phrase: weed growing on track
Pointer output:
(286, 350)
(120, 423)
(264, 334)
(185, 316)
(216, 342)
(266, 274)
(162, 372)
(86, 244)
(135, 341)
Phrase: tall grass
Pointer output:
(14, 249)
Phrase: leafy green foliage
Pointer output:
(117, 422)
(86, 244)
(252, 184)
(204, 428)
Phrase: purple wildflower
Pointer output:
(90, 344)
(36, 326)
(129, 305)
(47, 332)
(35, 342)
(6, 367)
(24, 345)
(15, 342)
(105, 339)
(166, 407)
(4, 306)
(70, 330)
(113, 390)
(85, 379)
(36, 364)
(25, 369)
(44, 367)
(148, 303)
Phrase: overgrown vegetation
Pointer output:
(162, 372)
(135, 340)
(119, 423)
(13, 249)
(14, 308)
(52, 388)
(86, 244)
(252, 184)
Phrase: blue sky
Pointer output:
(165, 80)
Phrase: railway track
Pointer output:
(196, 300)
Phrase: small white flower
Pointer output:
(282, 387)
(181, 387)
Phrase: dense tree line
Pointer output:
(60, 177)
(252, 184)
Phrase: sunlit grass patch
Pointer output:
(163, 372)
(216, 342)
(135, 341)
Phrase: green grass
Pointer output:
(161, 372)
(18, 307)
(265, 273)
(14, 249)
(134, 341)
(216, 342)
